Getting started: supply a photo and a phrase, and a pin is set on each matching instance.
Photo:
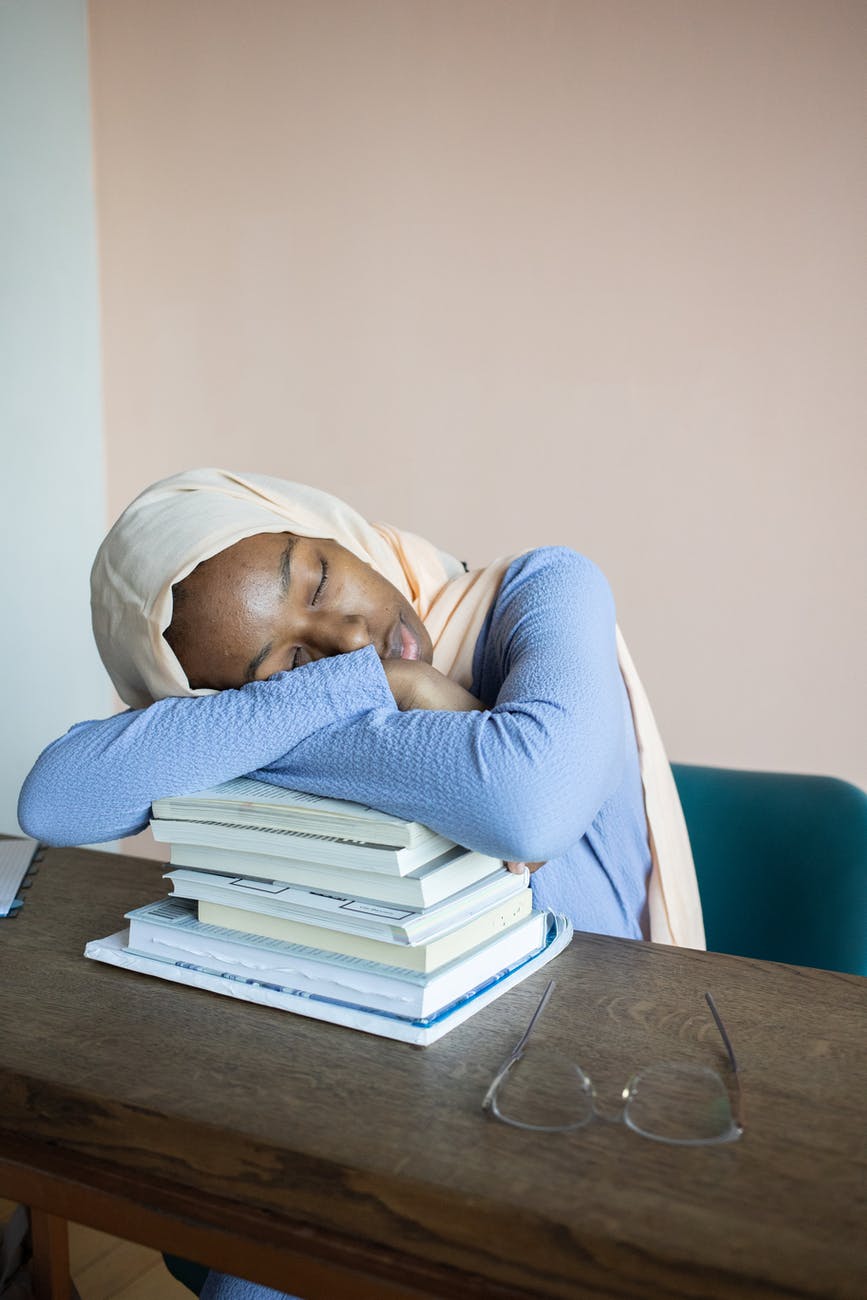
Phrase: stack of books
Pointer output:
(332, 910)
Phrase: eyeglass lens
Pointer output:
(544, 1090)
(677, 1102)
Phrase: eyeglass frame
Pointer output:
(735, 1131)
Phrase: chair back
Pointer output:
(782, 864)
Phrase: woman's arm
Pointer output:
(99, 780)
(524, 779)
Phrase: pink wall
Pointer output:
(510, 272)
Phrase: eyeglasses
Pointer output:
(677, 1102)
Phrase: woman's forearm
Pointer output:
(525, 779)
(522, 780)
(495, 781)
(98, 781)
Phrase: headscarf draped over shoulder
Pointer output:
(181, 521)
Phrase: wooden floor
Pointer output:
(106, 1268)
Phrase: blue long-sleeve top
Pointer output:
(547, 772)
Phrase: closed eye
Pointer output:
(298, 656)
(323, 580)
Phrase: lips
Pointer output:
(402, 643)
(409, 647)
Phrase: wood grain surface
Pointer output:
(226, 1127)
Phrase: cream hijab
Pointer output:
(181, 521)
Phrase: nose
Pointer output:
(338, 634)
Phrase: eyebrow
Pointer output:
(285, 574)
(285, 565)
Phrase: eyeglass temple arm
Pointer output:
(739, 1104)
(518, 1048)
(543, 1002)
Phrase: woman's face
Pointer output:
(275, 601)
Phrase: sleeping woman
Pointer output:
(256, 626)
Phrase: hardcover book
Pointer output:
(419, 1030)
(421, 956)
(169, 931)
(248, 802)
(449, 874)
(285, 843)
(345, 912)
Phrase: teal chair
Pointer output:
(781, 863)
(782, 872)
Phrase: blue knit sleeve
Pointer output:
(524, 779)
(99, 780)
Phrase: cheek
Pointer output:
(253, 603)
(380, 597)
(225, 635)
(225, 629)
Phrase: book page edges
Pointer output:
(113, 951)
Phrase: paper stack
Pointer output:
(332, 910)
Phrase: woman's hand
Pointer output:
(417, 685)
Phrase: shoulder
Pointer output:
(554, 571)
(554, 604)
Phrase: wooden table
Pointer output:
(328, 1163)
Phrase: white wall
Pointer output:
(516, 273)
(52, 486)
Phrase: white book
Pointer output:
(16, 859)
(429, 956)
(448, 874)
(284, 843)
(344, 912)
(421, 1031)
(256, 803)
(168, 931)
